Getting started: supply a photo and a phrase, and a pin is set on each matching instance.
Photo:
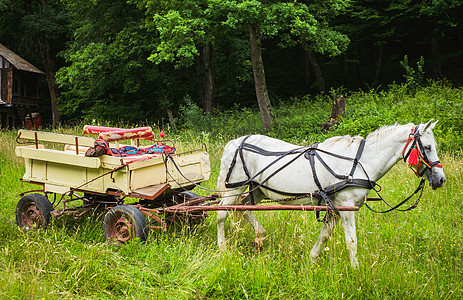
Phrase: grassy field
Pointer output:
(412, 255)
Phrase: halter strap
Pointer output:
(415, 143)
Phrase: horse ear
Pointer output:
(429, 125)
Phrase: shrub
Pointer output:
(299, 120)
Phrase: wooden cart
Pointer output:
(148, 181)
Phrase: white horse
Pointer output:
(278, 169)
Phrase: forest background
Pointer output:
(145, 61)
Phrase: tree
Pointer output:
(109, 77)
(186, 25)
(184, 33)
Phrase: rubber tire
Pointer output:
(133, 217)
(43, 206)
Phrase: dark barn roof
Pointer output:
(17, 61)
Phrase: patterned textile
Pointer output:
(157, 148)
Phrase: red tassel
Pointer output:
(413, 158)
(162, 134)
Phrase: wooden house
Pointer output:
(18, 88)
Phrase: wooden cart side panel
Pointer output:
(38, 169)
(58, 156)
(147, 176)
(60, 178)
(195, 168)
(56, 137)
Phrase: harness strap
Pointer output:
(257, 150)
(233, 162)
(338, 176)
(310, 153)
(414, 139)
(411, 137)
(357, 157)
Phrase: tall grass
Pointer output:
(412, 255)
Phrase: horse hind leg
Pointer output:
(331, 219)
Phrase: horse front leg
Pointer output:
(260, 231)
(229, 198)
(348, 222)
(331, 219)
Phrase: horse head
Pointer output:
(421, 154)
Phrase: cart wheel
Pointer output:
(33, 211)
(186, 195)
(182, 218)
(123, 223)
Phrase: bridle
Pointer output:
(414, 157)
(416, 154)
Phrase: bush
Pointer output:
(299, 120)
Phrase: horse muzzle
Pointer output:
(437, 179)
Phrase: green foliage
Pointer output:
(109, 77)
(236, 121)
(367, 111)
(299, 120)
(413, 78)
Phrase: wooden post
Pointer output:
(337, 113)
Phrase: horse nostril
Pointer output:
(442, 180)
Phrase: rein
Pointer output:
(420, 189)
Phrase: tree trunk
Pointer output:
(308, 75)
(379, 64)
(48, 58)
(357, 80)
(259, 78)
(436, 60)
(170, 115)
(208, 81)
(316, 69)
(337, 113)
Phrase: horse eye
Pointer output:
(427, 148)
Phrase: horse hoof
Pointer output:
(258, 244)
(313, 259)
(222, 247)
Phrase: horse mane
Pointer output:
(378, 134)
(384, 130)
(345, 139)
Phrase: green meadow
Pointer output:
(402, 255)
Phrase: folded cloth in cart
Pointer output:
(124, 151)
(160, 148)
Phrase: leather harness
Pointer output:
(311, 153)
